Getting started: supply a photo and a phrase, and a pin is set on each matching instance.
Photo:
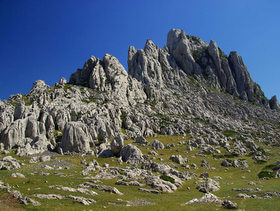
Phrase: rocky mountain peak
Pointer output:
(183, 56)
(188, 86)
(181, 112)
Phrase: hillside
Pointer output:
(182, 121)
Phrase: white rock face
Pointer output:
(179, 46)
(209, 186)
(167, 91)
(20, 129)
(131, 154)
(116, 76)
(117, 144)
(76, 137)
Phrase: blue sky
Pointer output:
(50, 39)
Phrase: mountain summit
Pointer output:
(189, 87)
(184, 118)
(183, 56)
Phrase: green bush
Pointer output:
(261, 161)
(230, 133)
(67, 86)
(222, 54)
(165, 105)
(268, 174)
(167, 178)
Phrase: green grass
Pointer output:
(67, 86)
(231, 178)
(230, 133)
(167, 178)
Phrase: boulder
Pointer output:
(18, 175)
(40, 144)
(117, 144)
(76, 137)
(207, 198)
(9, 163)
(157, 145)
(209, 186)
(141, 140)
(82, 200)
(131, 154)
(104, 188)
(178, 159)
(159, 184)
(229, 204)
(273, 103)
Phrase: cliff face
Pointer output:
(187, 88)
(183, 56)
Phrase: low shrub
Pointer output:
(167, 178)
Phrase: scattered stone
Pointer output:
(153, 153)
(44, 158)
(18, 175)
(160, 184)
(82, 200)
(207, 198)
(139, 203)
(101, 188)
(149, 190)
(33, 159)
(157, 145)
(117, 144)
(9, 163)
(49, 196)
(130, 183)
(27, 200)
(229, 204)
(210, 185)
(79, 190)
(243, 195)
(131, 154)
(92, 166)
(204, 175)
(243, 189)
(141, 140)
(205, 164)
(178, 159)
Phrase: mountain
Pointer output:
(187, 88)
(174, 106)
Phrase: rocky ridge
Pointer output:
(178, 112)
(188, 87)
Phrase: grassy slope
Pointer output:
(175, 201)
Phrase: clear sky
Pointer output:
(50, 39)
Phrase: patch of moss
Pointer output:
(90, 100)
(229, 133)
(67, 86)
(266, 174)
(222, 54)
(167, 178)
(165, 105)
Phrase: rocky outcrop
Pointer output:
(175, 90)
(131, 154)
(273, 103)
(105, 188)
(21, 129)
(9, 163)
(117, 144)
(209, 186)
(76, 138)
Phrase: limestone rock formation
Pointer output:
(117, 144)
(188, 87)
(76, 138)
(131, 154)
